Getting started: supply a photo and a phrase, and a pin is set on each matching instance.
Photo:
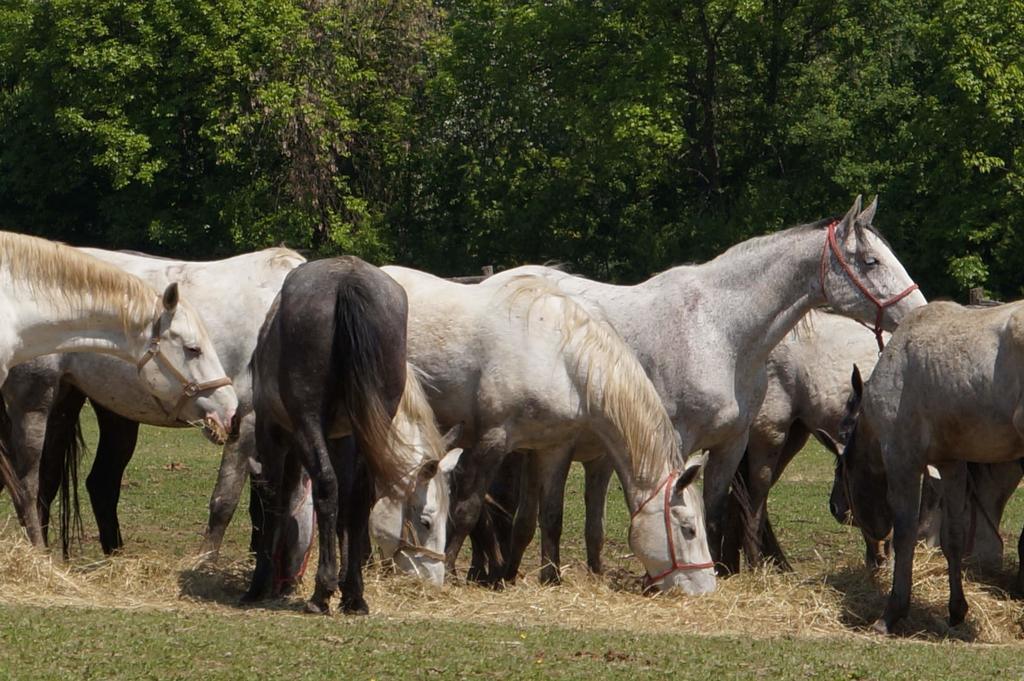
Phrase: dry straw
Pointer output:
(821, 600)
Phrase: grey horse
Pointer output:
(704, 333)
(947, 390)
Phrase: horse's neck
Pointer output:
(757, 292)
(43, 326)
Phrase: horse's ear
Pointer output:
(453, 434)
(428, 470)
(171, 297)
(450, 460)
(693, 466)
(848, 221)
(828, 442)
(867, 216)
(857, 383)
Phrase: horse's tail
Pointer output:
(70, 510)
(358, 347)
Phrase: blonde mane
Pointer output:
(414, 412)
(613, 381)
(73, 281)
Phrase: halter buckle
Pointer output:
(190, 389)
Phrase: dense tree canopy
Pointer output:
(620, 137)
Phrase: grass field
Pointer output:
(152, 612)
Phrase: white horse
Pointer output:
(56, 299)
(524, 367)
(409, 521)
(234, 295)
(948, 389)
(704, 333)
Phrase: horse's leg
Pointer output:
(524, 523)
(553, 469)
(470, 481)
(954, 509)
(355, 500)
(311, 447)
(904, 497)
(491, 537)
(718, 476)
(598, 473)
(118, 437)
(272, 456)
(234, 469)
(25, 443)
(990, 487)
(796, 440)
(929, 523)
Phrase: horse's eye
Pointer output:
(194, 350)
(688, 530)
(870, 260)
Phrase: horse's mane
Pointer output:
(284, 256)
(414, 409)
(72, 280)
(612, 378)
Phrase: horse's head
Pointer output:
(180, 368)
(861, 277)
(859, 486)
(411, 527)
(668, 535)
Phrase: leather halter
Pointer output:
(189, 389)
(832, 245)
(407, 544)
(677, 564)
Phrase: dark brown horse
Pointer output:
(330, 362)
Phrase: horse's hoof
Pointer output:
(355, 607)
(550, 577)
(250, 597)
(880, 627)
(314, 608)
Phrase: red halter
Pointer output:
(650, 579)
(831, 244)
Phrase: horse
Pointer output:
(808, 386)
(524, 367)
(45, 396)
(947, 390)
(56, 299)
(409, 522)
(330, 361)
(703, 333)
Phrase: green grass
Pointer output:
(163, 513)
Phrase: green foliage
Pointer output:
(620, 138)
(203, 127)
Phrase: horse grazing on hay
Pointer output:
(331, 362)
(704, 334)
(56, 299)
(808, 387)
(947, 390)
(524, 367)
(44, 396)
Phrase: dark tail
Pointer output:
(358, 347)
(70, 510)
(750, 536)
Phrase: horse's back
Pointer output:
(951, 379)
(335, 321)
